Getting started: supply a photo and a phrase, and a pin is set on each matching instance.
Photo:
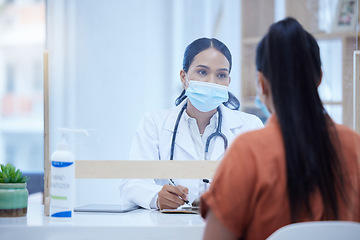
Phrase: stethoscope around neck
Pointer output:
(213, 135)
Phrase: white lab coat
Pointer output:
(153, 142)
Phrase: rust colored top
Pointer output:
(249, 194)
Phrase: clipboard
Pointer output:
(191, 210)
(106, 208)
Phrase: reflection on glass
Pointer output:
(108, 69)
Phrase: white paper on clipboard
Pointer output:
(193, 210)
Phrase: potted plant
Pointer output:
(13, 192)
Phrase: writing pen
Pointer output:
(171, 182)
(206, 181)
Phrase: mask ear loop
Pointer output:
(262, 106)
(259, 103)
(187, 81)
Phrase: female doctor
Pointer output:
(204, 122)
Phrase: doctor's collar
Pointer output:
(213, 118)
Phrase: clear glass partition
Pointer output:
(112, 61)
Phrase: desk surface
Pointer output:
(137, 224)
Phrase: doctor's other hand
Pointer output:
(172, 197)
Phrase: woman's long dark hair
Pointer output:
(289, 58)
(195, 48)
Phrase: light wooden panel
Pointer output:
(257, 16)
(105, 169)
(248, 74)
(356, 80)
(306, 12)
(349, 45)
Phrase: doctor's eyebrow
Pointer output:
(203, 66)
(220, 69)
(223, 69)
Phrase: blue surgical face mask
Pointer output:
(262, 106)
(258, 103)
(206, 96)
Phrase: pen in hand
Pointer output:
(171, 182)
(206, 181)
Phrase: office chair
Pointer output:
(329, 230)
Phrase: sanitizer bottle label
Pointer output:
(62, 189)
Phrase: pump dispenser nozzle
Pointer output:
(63, 145)
(70, 130)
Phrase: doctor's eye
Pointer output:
(202, 72)
(222, 75)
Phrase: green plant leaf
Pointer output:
(24, 179)
(9, 174)
(12, 170)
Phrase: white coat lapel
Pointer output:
(183, 141)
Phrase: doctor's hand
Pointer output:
(171, 197)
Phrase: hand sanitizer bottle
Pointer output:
(62, 190)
